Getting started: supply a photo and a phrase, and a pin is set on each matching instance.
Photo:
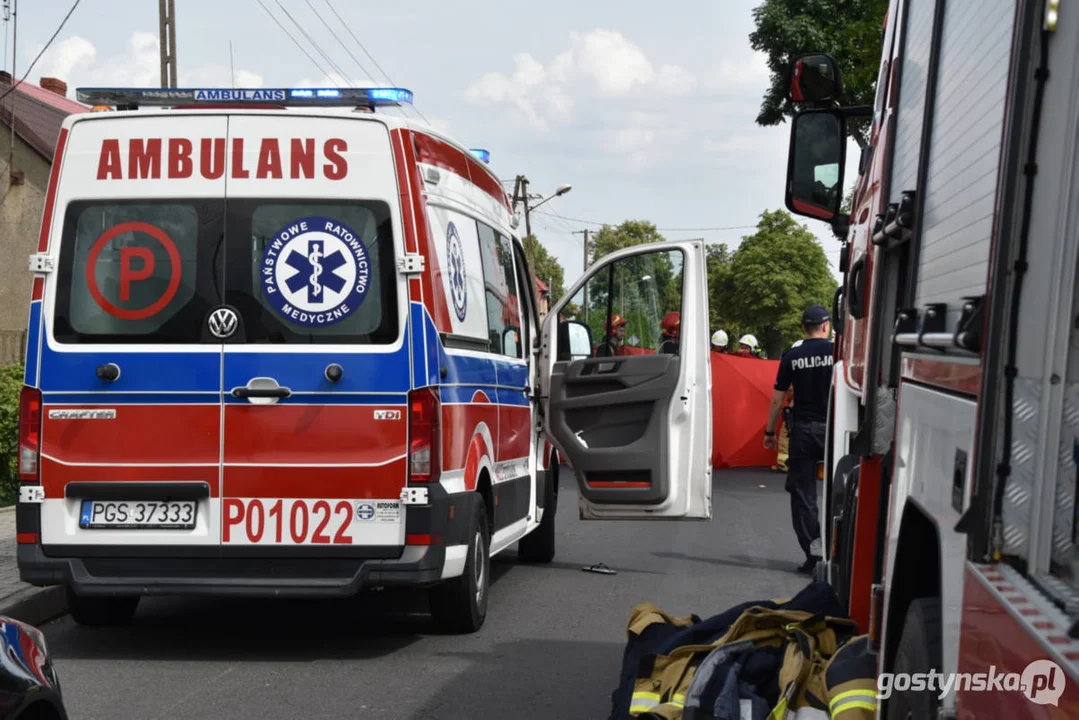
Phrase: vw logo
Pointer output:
(223, 323)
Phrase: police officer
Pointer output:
(808, 368)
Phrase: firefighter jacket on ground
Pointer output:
(851, 680)
(654, 636)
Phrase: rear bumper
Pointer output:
(253, 577)
(255, 572)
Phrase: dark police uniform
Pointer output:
(808, 368)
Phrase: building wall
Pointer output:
(20, 224)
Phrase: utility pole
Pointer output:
(167, 42)
(520, 194)
(584, 310)
(13, 177)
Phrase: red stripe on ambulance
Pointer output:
(55, 475)
(364, 482)
(267, 434)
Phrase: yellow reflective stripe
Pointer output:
(678, 700)
(855, 705)
(780, 710)
(643, 702)
(849, 694)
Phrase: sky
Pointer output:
(646, 110)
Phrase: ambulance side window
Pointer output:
(500, 293)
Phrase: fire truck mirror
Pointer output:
(815, 78)
(815, 164)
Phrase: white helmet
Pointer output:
(719, 338)
(748, 340)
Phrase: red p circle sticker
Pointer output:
(130, 274)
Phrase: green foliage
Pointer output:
(546, 267)
(774, 275)
(848, 30)
(11, 381)
(629, 233)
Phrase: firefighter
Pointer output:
(615, 329)
(808, 369)
(719, 341)
(747, 346)
(669, 344)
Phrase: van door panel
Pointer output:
(134, 236)
(311, 273)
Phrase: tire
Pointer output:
(459, 605)
(539, 545)
(919, 651)
(101, 611)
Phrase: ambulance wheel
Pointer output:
(100, 611)
(538, 545)
(919, 651)
(459, 605)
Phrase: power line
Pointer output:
(338, 39)
(384, 73)
(311, 40)
(601, 224)
(294, 41)
(27, 74)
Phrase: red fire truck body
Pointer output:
(948, 506)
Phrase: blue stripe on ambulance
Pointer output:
(376, 372)
(32, 335)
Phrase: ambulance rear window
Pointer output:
(312, 271)
(136, 271)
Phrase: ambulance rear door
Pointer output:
(629, 406)
(316, 369)
(128, 374)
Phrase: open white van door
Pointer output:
(626, 384)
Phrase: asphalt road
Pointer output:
(551, 647)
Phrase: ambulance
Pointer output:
(285, 344)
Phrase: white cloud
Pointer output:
(75, 61)
(615, 65)
(600, 63)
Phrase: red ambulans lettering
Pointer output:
(149, 158)
(289, 522)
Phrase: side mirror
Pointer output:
(574, 340)
(511, 342)
(815, 79)
(815, 165)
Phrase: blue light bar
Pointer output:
(481, 154)
(300, 97)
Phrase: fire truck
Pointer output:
(948, 514)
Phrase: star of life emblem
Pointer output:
(458, 276)
(315, 271)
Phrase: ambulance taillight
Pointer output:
(29, 433)
(424, 435)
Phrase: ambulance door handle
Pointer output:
(246, 392)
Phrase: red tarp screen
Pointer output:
(741, 393)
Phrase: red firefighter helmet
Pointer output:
(670, 324)
(614, 322)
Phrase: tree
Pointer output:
(773, 276)
(848, 30)
(629, 233)
(546, 268)
(719, 280)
